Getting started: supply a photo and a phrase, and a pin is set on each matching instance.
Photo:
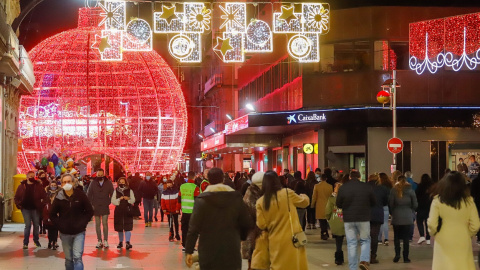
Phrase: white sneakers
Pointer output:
(428, 242)
(100, 244)
(421, 240)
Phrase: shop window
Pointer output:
(401, 53)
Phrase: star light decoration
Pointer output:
(119, 36)
(307, 25)
(189, 25)
(453, 42)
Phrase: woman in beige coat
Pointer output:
(321, 192)
(459, 223)
(273, 216)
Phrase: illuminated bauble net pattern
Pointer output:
(453, 42)
(133, 110)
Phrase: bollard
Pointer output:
(17, 213)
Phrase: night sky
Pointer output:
(53, 16)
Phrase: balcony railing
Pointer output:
(26, 66)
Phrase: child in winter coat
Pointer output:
(335, 219)
(172, 207)
(52, 191)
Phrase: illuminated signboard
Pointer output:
(237, 124)
(213, 142)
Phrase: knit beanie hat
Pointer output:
(257, 179)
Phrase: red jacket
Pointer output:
(170, 202)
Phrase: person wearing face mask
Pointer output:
(71, 211)
(161, 187)
(321, 192)
(318, 174)
(310, 183)
(42, 177)
(148, 189)
(52, 191)
(100, 193)
(123, 198)
(30, 198)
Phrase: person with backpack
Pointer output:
(334, 216)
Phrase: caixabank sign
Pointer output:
(286, 118)
(301, 118)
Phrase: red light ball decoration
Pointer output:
(132, 110)
(383, 97)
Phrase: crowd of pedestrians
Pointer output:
(263, 216)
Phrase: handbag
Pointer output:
(298, 239)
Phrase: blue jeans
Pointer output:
(384, 228)
(352, 230)
(127, 235)
(72, 245)
(148, 210)
(30, 216)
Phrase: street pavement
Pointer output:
(152, 250)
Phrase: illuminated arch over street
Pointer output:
(132, 110)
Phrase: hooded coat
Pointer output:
(100, 196)
(71, 214)
(276, 221)
(222, 220)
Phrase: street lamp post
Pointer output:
(394, 112)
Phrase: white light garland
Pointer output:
(432, 66)
(470, 62)
(237, 37)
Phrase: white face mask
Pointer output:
(164, 179)
(67, 187)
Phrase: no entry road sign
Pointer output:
(395, 145)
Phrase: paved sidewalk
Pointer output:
(152, 250)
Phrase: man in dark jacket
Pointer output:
(299, 186)
(71, 212)
(288, 176)
(356, 200)
(30, 199)
(381, 193)
(222, 220)
(147, 190)
(134, 184)
(100, 194)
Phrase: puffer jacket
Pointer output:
(356, 200)
(402, 208)
(71, 214)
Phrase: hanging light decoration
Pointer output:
(132, 109)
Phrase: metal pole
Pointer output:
(394, 110)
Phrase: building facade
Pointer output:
(310, 115)
(16, 79)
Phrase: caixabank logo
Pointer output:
(302, 118)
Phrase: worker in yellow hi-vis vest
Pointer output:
(186, 197)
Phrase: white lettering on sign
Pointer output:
(306, 118)
(395, 145)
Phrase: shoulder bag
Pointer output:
(298, 239)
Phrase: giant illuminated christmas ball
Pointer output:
(133, 110)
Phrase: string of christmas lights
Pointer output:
(453, 42)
